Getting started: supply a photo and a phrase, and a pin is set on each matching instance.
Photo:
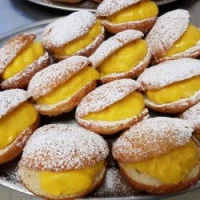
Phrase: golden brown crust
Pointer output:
(87, 51)
(13, 47)
(133, 73)
(66, 105)
(162, 188)
(175, 107)
(108, 128)
(99, 180)
(143, 25)
(15, 148)
(21, 79)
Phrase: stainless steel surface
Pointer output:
(114, 187)
(89, 5)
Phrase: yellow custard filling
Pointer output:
(175, 91)
(171, 168)
(125, 58)
(70, 182)
(81, 42)
(128, 107)
(25, 58)
(188, 40)
(70, 87)
(15, 122)
(140, 11)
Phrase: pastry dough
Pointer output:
(20, 59)
(158, 156)
(14, 107)
(79, 33)
(172, 86)
(122, 15)
(112, 107)
(76, 166)
(124, 55)
(60, 87)
(173, 37)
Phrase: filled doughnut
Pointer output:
(158, 155)
(172, 86)
(60, 87)
(124, 55)
(112, 107)
(79, 33)
(14, 132)
(173, 37)
(63, 162)
(122, 15)
(20, 59)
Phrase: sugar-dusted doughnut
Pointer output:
(63, 162)
(172, 86)
(124, 55)
(122, 15)
(158, 155)
(79, 33)
(18, 120)
(20, 59)
(112, 107)
(173, 37)
(60, 87)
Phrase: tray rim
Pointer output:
(22, 189)
(60, 7)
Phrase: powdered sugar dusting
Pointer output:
(106, 95)
(51, 77)
(113, 44)
(68, 28)
(10, 99)
(109, 7)
(167, 30)
(169, 72)
(60, 147)
(25, 75)
(152, 136)
(193, 115)
(9, 51)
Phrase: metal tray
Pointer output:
(114, 187)
(89, 5)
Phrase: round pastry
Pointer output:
(158, 155)
(173, 37)
(80, 33)
(60, 87)
(122, 15)
(20, 59)
(112, 107)
(172, 86)
(193, 116)
(124, 55)
(14, 132)
(63, 162)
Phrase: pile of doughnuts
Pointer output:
(112, 84)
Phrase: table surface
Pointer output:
(16, 13)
